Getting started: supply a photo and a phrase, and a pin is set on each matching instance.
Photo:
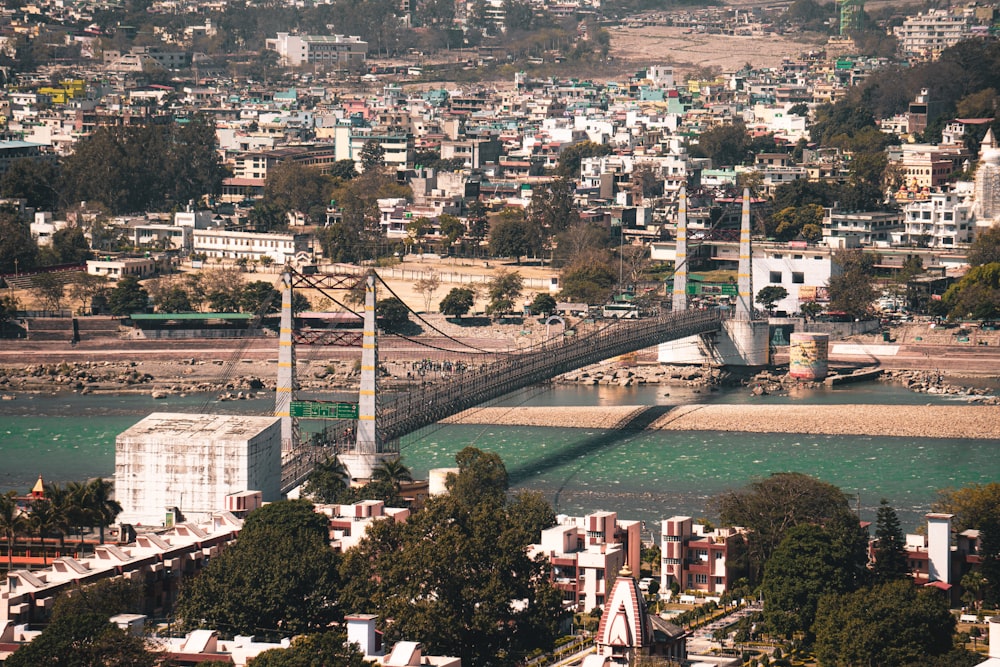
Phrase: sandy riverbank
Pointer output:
(915, 421)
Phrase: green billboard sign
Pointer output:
(324, 410)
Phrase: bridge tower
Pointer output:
(680, 254)
(286, 369)
(368, 450)
(743, 340)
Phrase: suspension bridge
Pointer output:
(380, 421)
(383, 418)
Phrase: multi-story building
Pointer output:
(586, 555)
(925, 36)
(329, 50)
(281, 248)
(160, 561)
(349, 523)
(872, 228)
(193, 462)
(695, 558)
(939, 219)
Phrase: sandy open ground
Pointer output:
(671, 46)
(938, 421)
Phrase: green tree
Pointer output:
(511, 235)
(316, 650)
(345, 170)
(457, 302)
(84, 641)
(392, 313)
(9, 305)
(32, 179)
(449, 574)
(259, 296)
(327, 482)
(100, 505)
(976, 295)
(552, 206)
(769, 507)
(589, 281)
(985, 248)
(174, 300)
(769, 296)
(12, 523)
(393, 471)
(69, 246)
(128, 297)
(503, 291)
(852, 289)
(543, 304)
(18, 250)
(890, 546)
(85, 287)
(280, 577)
(571, 157)
(451, 227)
(726, 145)
(891, 625)
(805, 566)
(293, 186)
(51, 290)
(372, 155)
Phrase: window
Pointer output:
(701, 578)
(775, 277)
(798, 278)
(719, 555)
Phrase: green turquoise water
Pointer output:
(646, 475)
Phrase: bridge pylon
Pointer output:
(368, 449)
(286, 369)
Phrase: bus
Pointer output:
(626, 311)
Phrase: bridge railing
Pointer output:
(414, 410)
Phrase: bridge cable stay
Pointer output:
(434, 328)
(229, 367)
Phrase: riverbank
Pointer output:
(977, 422)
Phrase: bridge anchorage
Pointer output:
(365, 433)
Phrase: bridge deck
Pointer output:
(414, 410)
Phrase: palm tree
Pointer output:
(327, 481)
(392, 471)
(12, 522)
(99, 504)
(42, 519)
(76, 511)
(62, 506)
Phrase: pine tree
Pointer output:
(890, 546)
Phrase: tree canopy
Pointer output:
(457, 574)
(457, 302)
(890, 562)
(891, 625)
(771, 506)
(280, 577)
(807, 564)
(852, 290)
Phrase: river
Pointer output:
(647, 475)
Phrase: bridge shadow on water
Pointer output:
(623, 431)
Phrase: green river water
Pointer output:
(646, 475)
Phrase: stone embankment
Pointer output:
(930, 382)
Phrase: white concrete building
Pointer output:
(192, 462)
(281, 248)
(116, 269)
(333, 51)
(925, 36)
(940, 219)
(870, 228)
(804, 272)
